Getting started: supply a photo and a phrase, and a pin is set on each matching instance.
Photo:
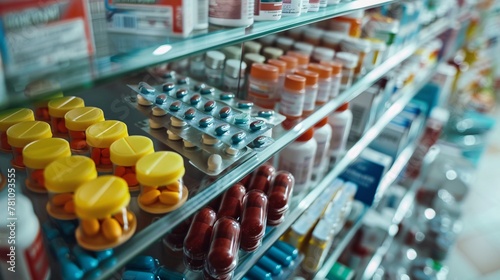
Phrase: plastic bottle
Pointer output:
(303, 48)
(292, 8)
(323, 137)
(336, 77)
(100, 136)
(268, 10)
(305, 6)
(340, 121)
(272, 52)
(291, 63)
(282, 73)
(323, 3)
(324, 82)
(332, 39)
(349, 62)
(312, 35)
(285, 43)
(349, 24)
(302, 58)
(322, 54)
(234, 75)
(22, 134)
(214, 66)
(313, 6)
(77, 121)
(292, 97)
(298, 159)
(9, 118)
(252, 47)
(30, 259)
(262, 85)
(311, 90)
(361, 48)
(201, 17)
(57, 109)
(231, 13)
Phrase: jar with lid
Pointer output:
(332, 39)
(302, 58)
(292, 8)
(349, 62)
(284, 43)
(63, 177)
(23, 133)
(349, 24)
(303, 48)
(38, 155)
(214, 66)
(77, 121)
(361, 48)
(58, 108)
(233, 13)
(282, 73)
(252, 47)
(322, 54)
(292, 97)
(222, 256)
(272, 53)
(9, 118)
(100, 136)
(324, 82)
(162, 188)
(124, 154)
(311, 90)
(234, 75)
(42, 107)
(313, 36)
(101, 206)
(291, 63)
(336, 77)
(262, 85)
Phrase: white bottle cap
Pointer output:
(268, 40)
(272, 53)
(214, 59)
(348, 60)
(313, 33)
(232, 52)
(321, 53)
(252, 47)
(355, 44)
(234, 68)
(303, 47)
(333, 37)
(251, 58)
(284, 42)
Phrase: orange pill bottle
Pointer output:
(162, 189)
(38, 155)
(125, 153)
(57, 109)
(100, 136)
(101, 206)
(77, 121)
(23, 133)
(9, 118)
(62, 178)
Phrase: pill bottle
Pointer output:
(23, 133)
(336, 77)
(333, 2)
(262, 85)
(302, 58)
(281, 78)
(37, 155)
(292, 8)
(311, 90)
(77, 121)
(318, 246)
(340, 121)
(384, 29)
(200, 8)
(222, 256)
(124, 154)
(234, 75)
(303, 48)
(268, 10)
(313, 6)
(100, 136)
(361, 48)
(268, 41)
(323, 137)
(305, 6)
(162, 189)
(323, 3)
(253, 221)
(214, 66)
(292, 97)
(279, 195)
(332, 39)
(197, 66)
(197, 241)
(232, 52)
(321, 53)
(324, 82)
(349, 24)
(58, 108)
(284, 43)
(291, 63)
(349, 62)
(272, 53)
(296, 33)
(63, 177)
(231, 13)
(101, 206)
(42, 107)
(252, 47)
(374, 58)
(30, 254)
(312, 35)
(298, 159)
(9, 118)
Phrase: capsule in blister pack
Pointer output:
(222, 257)
(253, 222)
(197, 241)
(262, 178)
(232, 201)
(279, 195)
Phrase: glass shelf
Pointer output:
(127, 53)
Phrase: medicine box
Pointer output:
(41, 33)
(151, 17)
(393, 139)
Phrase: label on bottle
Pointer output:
(323, 3)
(214, 76)
(305, 6)
(313, 5)
(340, 26)
(229, 9)
(300, 167)
(335, 87)
(291, 104)
(310, 99)
(337, 142)
(323, 144)
(270, 10)
(292, 7)
(323, 92)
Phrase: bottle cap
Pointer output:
(336, 67)
(343, 107)
(303, 47)
(295, 82)
(278, 63)
(264, 71)
(347, 60)
(268, 40)
(321, 53)
(322, 122)
(103, 134)
(356, 44)
(68, 173)
(214, 59)
(80, 119)
(333, 37)
(11, 117)
(378, 45)
(272, 52)
(311, 77)
(306, 136)
(160, 169)
(313, 33)
(60, 106)
(39, 154)
(324, 71)
(99, 198)
(252, 47)
(291, 62)
(232, 52)
(235, 68)
(251, 58)
(302, 57)
(284, 42)
(23, 133)
(128, 150)
(358, 14)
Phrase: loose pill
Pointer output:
(169, 198)
(90, 227)
(111, 229)
(78, 144)
(61, 127)
(161, 99)
(131, 179)
(119, 218)
(145, 88)
(238, 137)
(106, 161)
(166, 87)
(207, 90)
(61, 199)
(209, 106)
(189, 114)
(222, 129)
(206, 122)
(105, 152)
(224, 112)
(37, 176)
(214, 162)
(174, 187)
(120, 171)
(150, 197)
(226, 96)
(69, 207)
(257, 125)
(181, 93)
(260, 141)
(244, 104)
(175, 106)
(265, 114)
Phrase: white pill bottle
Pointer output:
(22, 252)
(231, 13)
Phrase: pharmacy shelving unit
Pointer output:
(126, 62)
